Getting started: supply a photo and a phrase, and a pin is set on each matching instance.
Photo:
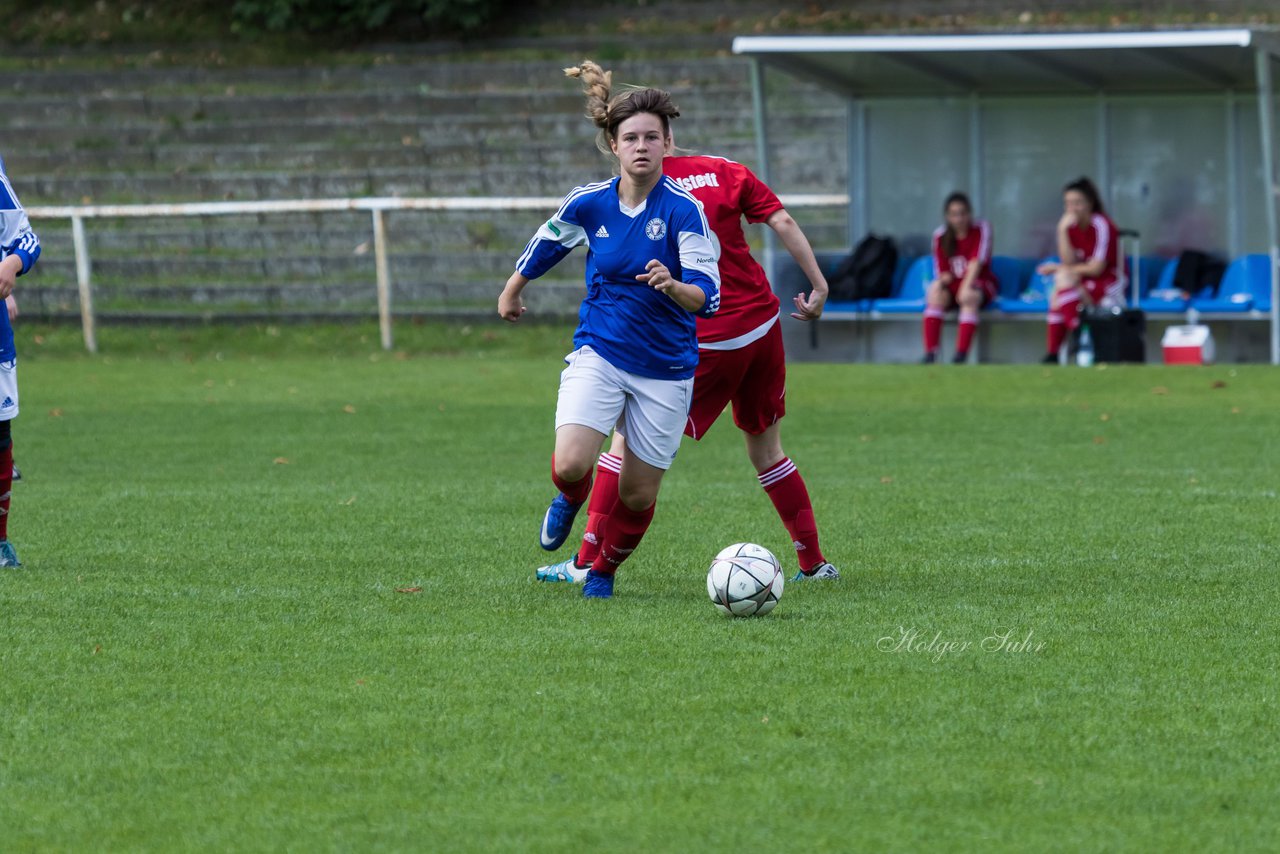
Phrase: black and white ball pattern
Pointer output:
(745, 580)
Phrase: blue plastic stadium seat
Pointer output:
(1164, 298)
(1257, 270)
(1034, 299)
(1152, 268)
(1012, 274)
(909, 295)
(900, 272)
(1234, 293)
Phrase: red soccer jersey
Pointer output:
(974, 247)
(1096, 241)
(729, 191)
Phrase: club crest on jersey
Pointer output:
(655, 229)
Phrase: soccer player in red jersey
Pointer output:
(961, 276)
(1089, 269)
(740, 355)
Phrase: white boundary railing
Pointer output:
(377, 206)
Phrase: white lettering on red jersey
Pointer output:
(728, 192)
(973, 247)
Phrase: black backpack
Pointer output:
(1198, 270)
(867, 273)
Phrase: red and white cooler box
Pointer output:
(1188, 345)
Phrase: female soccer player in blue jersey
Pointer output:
(635, 348)
(742, 361)
(19, 249)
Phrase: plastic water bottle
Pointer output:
(1084, 355)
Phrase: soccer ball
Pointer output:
(745, 580)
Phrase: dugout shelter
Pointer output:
(1177, 128)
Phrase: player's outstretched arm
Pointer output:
(510, 305)
(792, 237)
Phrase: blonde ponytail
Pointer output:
(607, 110)
(597, 85)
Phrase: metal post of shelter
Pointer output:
(760, 117)
(1266, 131)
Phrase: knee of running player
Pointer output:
(639, 483)
(575, 453)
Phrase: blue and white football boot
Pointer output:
(566, 570)
(823, 571)
(8, 557)
(558, 522)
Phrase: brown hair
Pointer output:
(949, 238)
(1085, 187)
(607, 111)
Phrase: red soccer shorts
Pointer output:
(990, 290)
(1097, 289)
(753, 378)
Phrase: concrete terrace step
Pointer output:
(340, 128)
(505, 180)
(405, 74)
(811, 164)
(111, 110)
(256, 157)
(508, 179)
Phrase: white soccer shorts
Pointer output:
(650, 413)
(8, 389)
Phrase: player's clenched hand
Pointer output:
(657, 276)
(510, 306)
(9, 269)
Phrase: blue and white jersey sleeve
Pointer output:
(16, 236)
(698, 247)
(557, 237)
(699, 257)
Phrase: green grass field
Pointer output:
(208, 649)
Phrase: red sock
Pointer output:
(1061, 319)
(932, 328)
(574, 490)
(1054, 337)
(968, 325)
(625, 530)
(604, 495)
(785, 488)
(6, 487)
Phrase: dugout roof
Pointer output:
(1040, 66)
(1019, 64)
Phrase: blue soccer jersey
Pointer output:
(631, 325)
(16, 238)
